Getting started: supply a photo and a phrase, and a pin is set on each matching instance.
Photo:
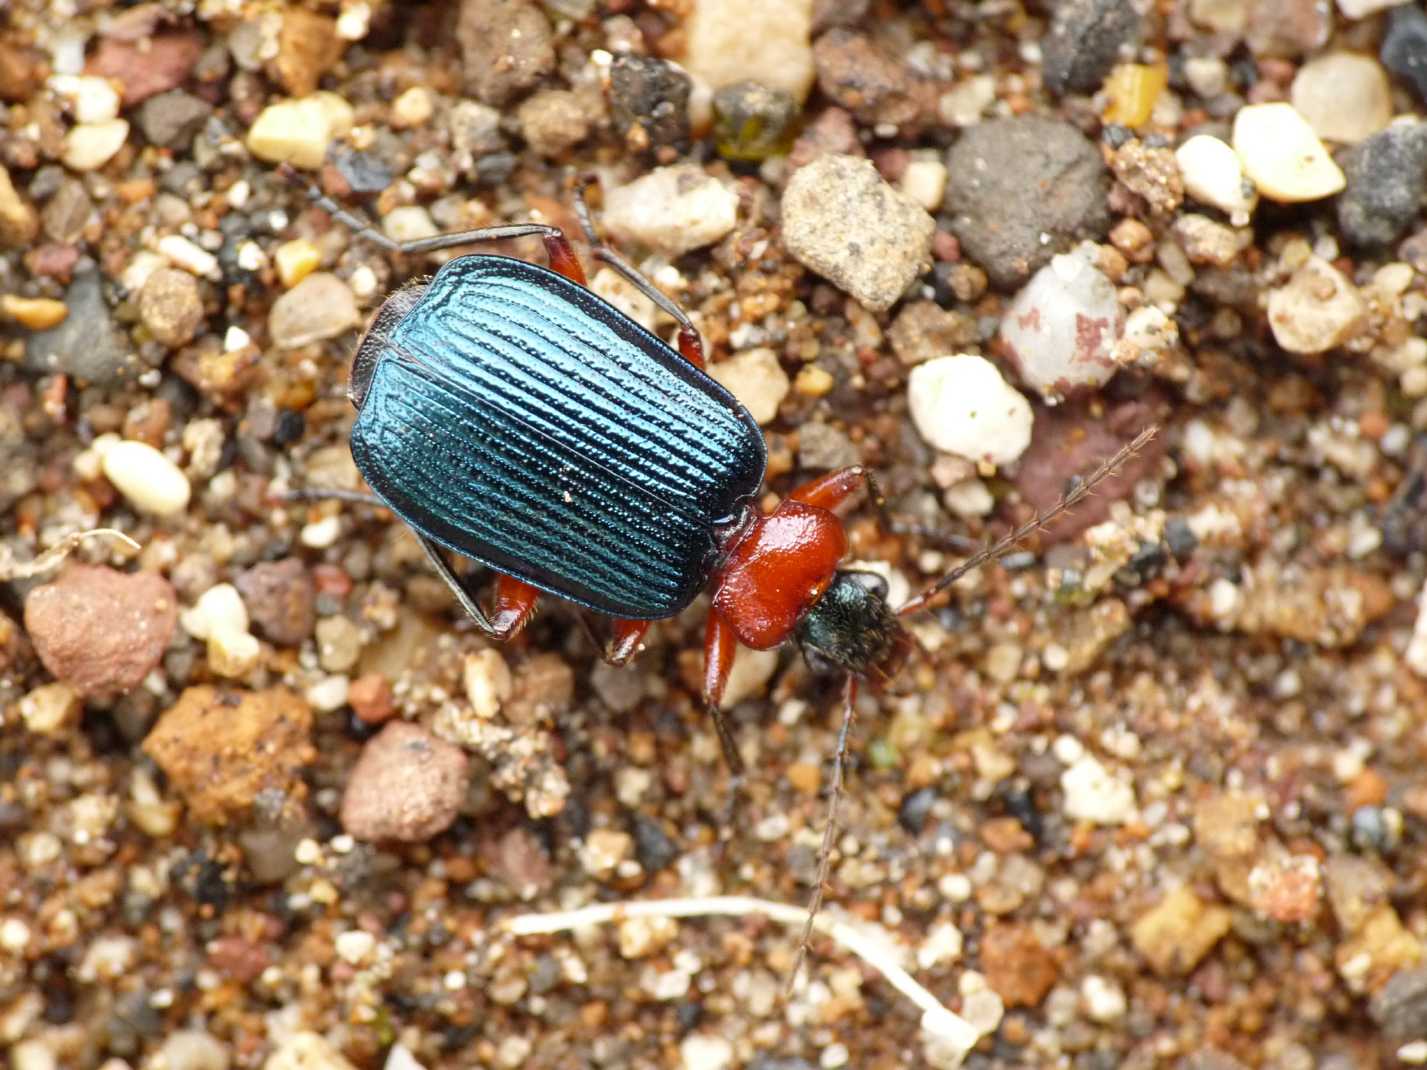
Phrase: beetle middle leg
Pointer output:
(513, 604)
(691, 343)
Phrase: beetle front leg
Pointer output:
(514, 599)
(719, 647)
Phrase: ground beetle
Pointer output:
(510, 415)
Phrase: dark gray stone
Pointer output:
(1084, 43)
(1400, 1009)
(1012, 181)
(88, 345)
(1404, 47)
(172, 119)
(1387, 176)
(649, 102)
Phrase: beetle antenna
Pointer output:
(1079, 490)
(839, 763)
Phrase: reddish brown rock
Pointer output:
(220, 749)
(407, 786)
(1017, 965)
(148, 67)
(99, 630)
(280, 600)
(22, 71)
(370, 697)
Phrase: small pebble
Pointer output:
(149, 63)
(1085, 40)
(295, 260)
(35, 313)
(88, 344)
(729, 41)
(507, 46)
(218, 609)
(756, 379)
(173, 119)
(1060, 330)
(924, 181)
(1387, 179)
(410, 222)
(842, 220)
(406, 786)
(193, 1049)
(753, 122)
(90, 99)
(300, 131)
(649, 102)
(752, 669)
(488, 682)
(171, 307)
(1316, 310)
(306, 1051)
(1361, 9)
(1214, 175)
(1345, 96)
(89, 146)
(320, 306)
(149, 480)
(193, 258)
(705, 1051)
(1019, 190)
(856, 74)
(51, 708)
(1178, 932)
(553, 121)
(1282, 155)
(19, 222)
(1404, 47)
(414, 107)
(672, 210)
(281, 599)
(339, 643)
(371, 698)
(1093, 794)
(99, 630)
(961, 404)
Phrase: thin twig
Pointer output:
(55, 555)
(867, 943)
(1073, 497)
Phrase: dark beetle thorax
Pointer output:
(853, 629)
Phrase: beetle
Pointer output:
(509, 415)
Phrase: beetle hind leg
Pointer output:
(691, 343)
(514, 599)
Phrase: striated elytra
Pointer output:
(517, 418)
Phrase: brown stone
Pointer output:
(506, 45)
(1017, 965)
(407, 786)
(220, 749)
(145, 68)
(280, 600)
(99, 630)
(307, 48)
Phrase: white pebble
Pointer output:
(1062, 327)
(193, 1049)
(770, 43)
(218, 608)
(925, 182)
(1283, 156)
(962, 405)
(192, 258)
(89, 146)
(32, 1055)
(400, 1058)
(1104, 999)
(703, 1051)
(1345, 96)
(756, 379)
(149, 480)
(1214, 175)
(329, 693)
(354, 946)
(1093, 794)
(90, 99)
(1361, 9)
(671, 209)
(410, 222)
(321, 534)
(969, 498)
(488, 682)
(1318, 309)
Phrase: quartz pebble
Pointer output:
(961, 404)
(1214, 175)
(306, 1051)
(1317, 309)
(1093, 794)
(99, 630)
(299, 131)
(406, 786)
(171, 306)
(1282, 155)
(842, 220)
(19, 222)
(705, 1051)
(90, 99)
(89, 146)
(672, 210)
(320, 306)
(1061, 328)
(220, 617)
(729, 41)
(50, 708)
(1361, 9)
(1345, 96)
(756, 379)
(149, 480)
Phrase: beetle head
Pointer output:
(853, 629)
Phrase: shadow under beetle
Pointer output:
(508, 414)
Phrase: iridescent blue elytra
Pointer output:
(516, 418)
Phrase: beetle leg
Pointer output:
(514, 600)
(331, 494)
(364, 228)
(562, 257)
(831, 490)
(719, 646)
(624, 643)
(691, 345)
